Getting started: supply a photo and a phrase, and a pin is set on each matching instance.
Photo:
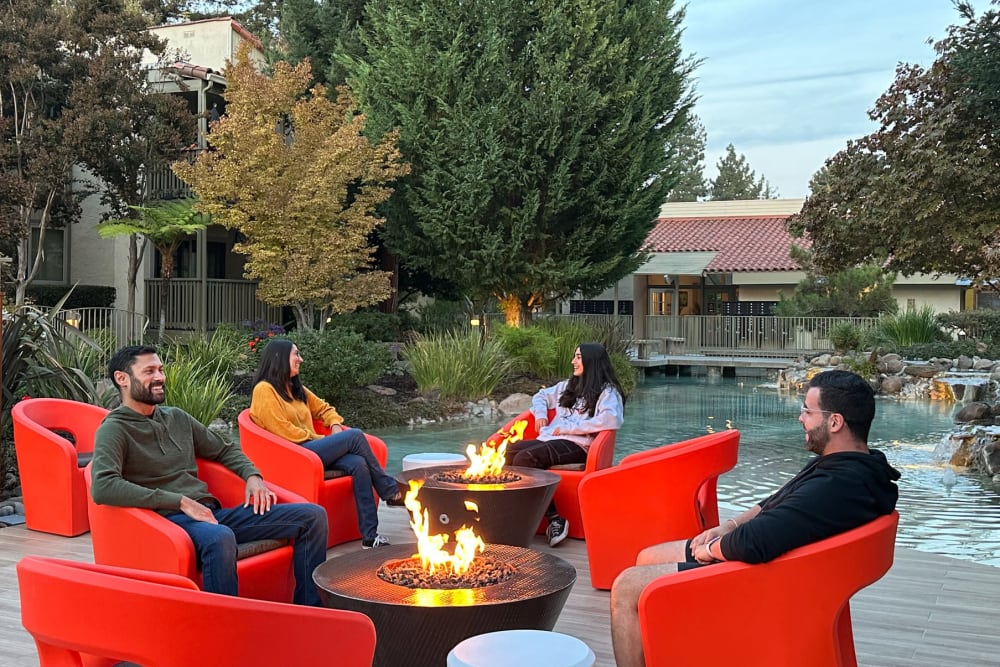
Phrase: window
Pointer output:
(53, 267)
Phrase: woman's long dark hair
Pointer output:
(276, 371)
(597, 374)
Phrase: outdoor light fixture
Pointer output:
(474, 321)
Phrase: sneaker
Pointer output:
(396, 501)
(379, 541)
(557, 531)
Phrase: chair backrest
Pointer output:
(42, 416)
(600, 455)
(708, 501)
(161, 620)
(794, 610)
(652, 497)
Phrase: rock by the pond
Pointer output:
(514, 404)
(973, 412)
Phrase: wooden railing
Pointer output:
(750, 335)
(189, 308)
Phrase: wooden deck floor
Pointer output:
(930, 610)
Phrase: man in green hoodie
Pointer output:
(145, 456)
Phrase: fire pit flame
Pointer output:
(488, 462)
(430, 548)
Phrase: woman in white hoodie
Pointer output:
(588, 402)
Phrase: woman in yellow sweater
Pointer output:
(281, 405)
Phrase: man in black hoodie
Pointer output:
(845, 486)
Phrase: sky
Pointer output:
(789, 82)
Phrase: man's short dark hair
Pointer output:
(123, 359)
(849, 395)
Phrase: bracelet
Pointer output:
(708, 546)
(736, 524)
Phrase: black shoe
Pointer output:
(375, 543)
(398, 500)
(557, 531)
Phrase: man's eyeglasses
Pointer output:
(805, 410)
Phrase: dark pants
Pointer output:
(545, 454)
(349, 451)
(215, 544)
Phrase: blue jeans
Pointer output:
(349, 451)
(545, 454)
(215, 544)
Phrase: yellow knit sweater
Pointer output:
(290, 420)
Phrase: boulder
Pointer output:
(973, 412)
(982, 364)
(922, 370)
(964, 363)
(991, 457)
(891, 364)
(380, 390)
(514, 404)
(892, 384)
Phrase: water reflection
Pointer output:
(957, 515)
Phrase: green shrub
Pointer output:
(982, 325)
(845, 337)
(912, 327)
(440, 316)
(83, 296)
(627, 376)
(338, 359)
(531, 349)
(460, 366)
(374, 325)
(199, 389)
(860, 364)
(950, 349)
(225, 349)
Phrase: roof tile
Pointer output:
(743, 243)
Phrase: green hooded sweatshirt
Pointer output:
(150, 462)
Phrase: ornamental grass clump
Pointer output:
(913, 327)
(462, 366)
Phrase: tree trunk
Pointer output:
(133, 271)
(166, 271)
(517, 309)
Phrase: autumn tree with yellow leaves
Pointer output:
(292, 171)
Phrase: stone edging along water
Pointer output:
(971, 382)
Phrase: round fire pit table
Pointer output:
(418, 627)
(507, 513)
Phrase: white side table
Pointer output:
(411, 461)
(523, 648)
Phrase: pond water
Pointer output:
(953, 514)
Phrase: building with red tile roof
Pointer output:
(732, 258)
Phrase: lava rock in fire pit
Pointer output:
(409, 572)
(459, 477)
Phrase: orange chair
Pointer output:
(300, 470)
(667, 493)
(794, 610)
(143, 539)
(50, 466)
(600, 455)
(98, 615)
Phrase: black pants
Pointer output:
(545, 454)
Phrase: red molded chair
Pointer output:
(299, 470)
(663, 494)
(98, 615)
(50, 466)
(792, 611)
(145, 540)
(600, 456)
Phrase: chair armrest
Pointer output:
(231, 489)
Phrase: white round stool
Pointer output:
(523, 648)
(411, 461)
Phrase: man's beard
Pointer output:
(818, 438)
(141, 394)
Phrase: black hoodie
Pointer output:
(833, 493)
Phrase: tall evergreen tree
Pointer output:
(536, 133)
(736, 180)
(688, 155)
